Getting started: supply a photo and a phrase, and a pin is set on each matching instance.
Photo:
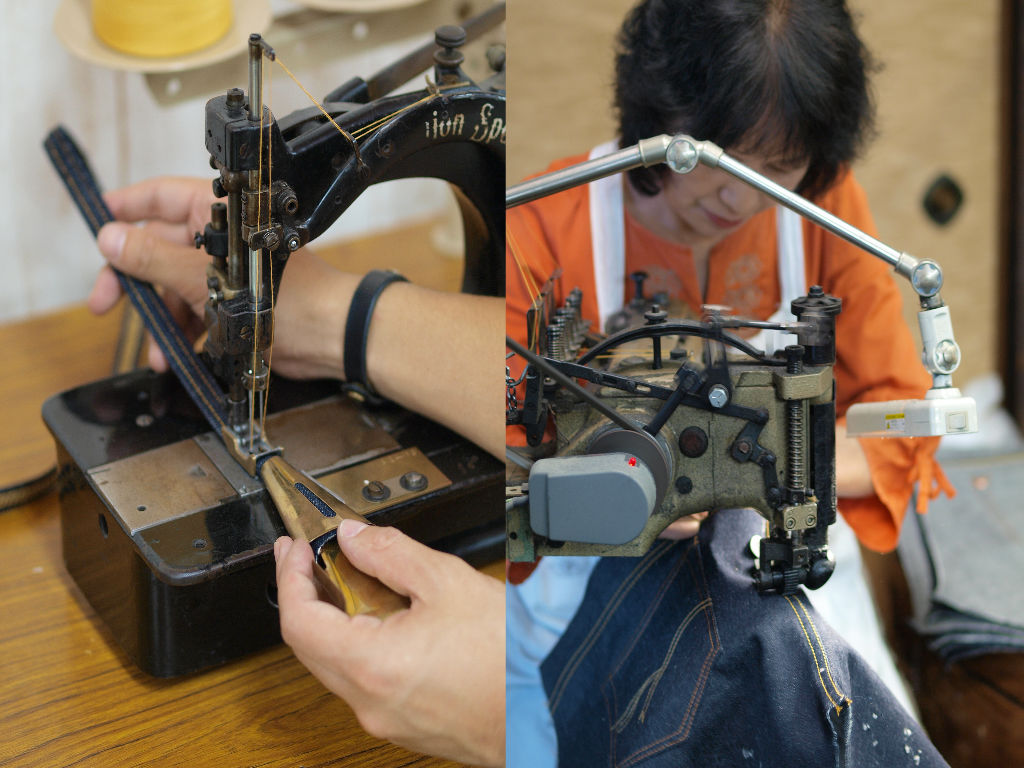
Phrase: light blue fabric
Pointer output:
(536, 615)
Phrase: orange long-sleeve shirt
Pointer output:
(876, 354)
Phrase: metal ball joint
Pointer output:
(947, 356)
(926, 278)
(681, 156)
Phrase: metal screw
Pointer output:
(947, 356)
(375, 490)
(235, 100)
(718, 396)
(414, 481)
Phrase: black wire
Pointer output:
(679, 329)
(29, 490)
(541, 364)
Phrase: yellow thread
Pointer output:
(161, 28)
(839, 707)
(436, 93)
(526, 274)
(342, 131)
(370, 127)
(828, 670)
(270, 260)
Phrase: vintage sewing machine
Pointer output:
(167, 523)
(666, 427)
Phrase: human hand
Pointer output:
(430, 678)
(160, 251)
(685, 527)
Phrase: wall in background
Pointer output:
(134, 126)
(937, 98)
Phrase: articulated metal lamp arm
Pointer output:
(681, 153)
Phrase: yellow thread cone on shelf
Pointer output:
(160, 28)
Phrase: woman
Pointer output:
(783, 87)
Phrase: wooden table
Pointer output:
(68, 694)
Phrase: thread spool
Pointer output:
(161, 28)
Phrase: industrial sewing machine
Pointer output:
(665, 427)
(168, 524)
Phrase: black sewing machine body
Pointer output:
(166, 535)
(172, 543)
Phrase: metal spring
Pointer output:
(795, 444)
(556, 342)
(795, 434)
(567, 319)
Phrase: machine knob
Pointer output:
(448, 57)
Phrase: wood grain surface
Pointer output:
(68, 694)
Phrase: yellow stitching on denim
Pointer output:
(702, 605)
(697, 693)
(76, 191)
(698, 688)
(584, 649)
(821, 645)
(172, 349)
(79, 193)
(810, 645)
(578, 655)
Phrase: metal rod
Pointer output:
(681, 153)
(549, 370)
(644, 153)
(236, 274)
(573, 176)
(807, 209)
(255, 76)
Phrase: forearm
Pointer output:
(441, 354)
(853, 475)
(433, 352)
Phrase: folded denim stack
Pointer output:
(963, 560)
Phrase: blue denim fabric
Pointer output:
(674, 659)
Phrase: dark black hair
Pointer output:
(789, 77)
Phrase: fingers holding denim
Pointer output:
(106, 292)
(144, 253)
(172, 199)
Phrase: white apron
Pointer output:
(608, 242)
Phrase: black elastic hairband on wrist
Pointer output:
(357, 326)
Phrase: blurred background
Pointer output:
(940, 113)
(136, 118)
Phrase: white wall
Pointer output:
(47, 257)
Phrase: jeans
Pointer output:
(674, 659)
